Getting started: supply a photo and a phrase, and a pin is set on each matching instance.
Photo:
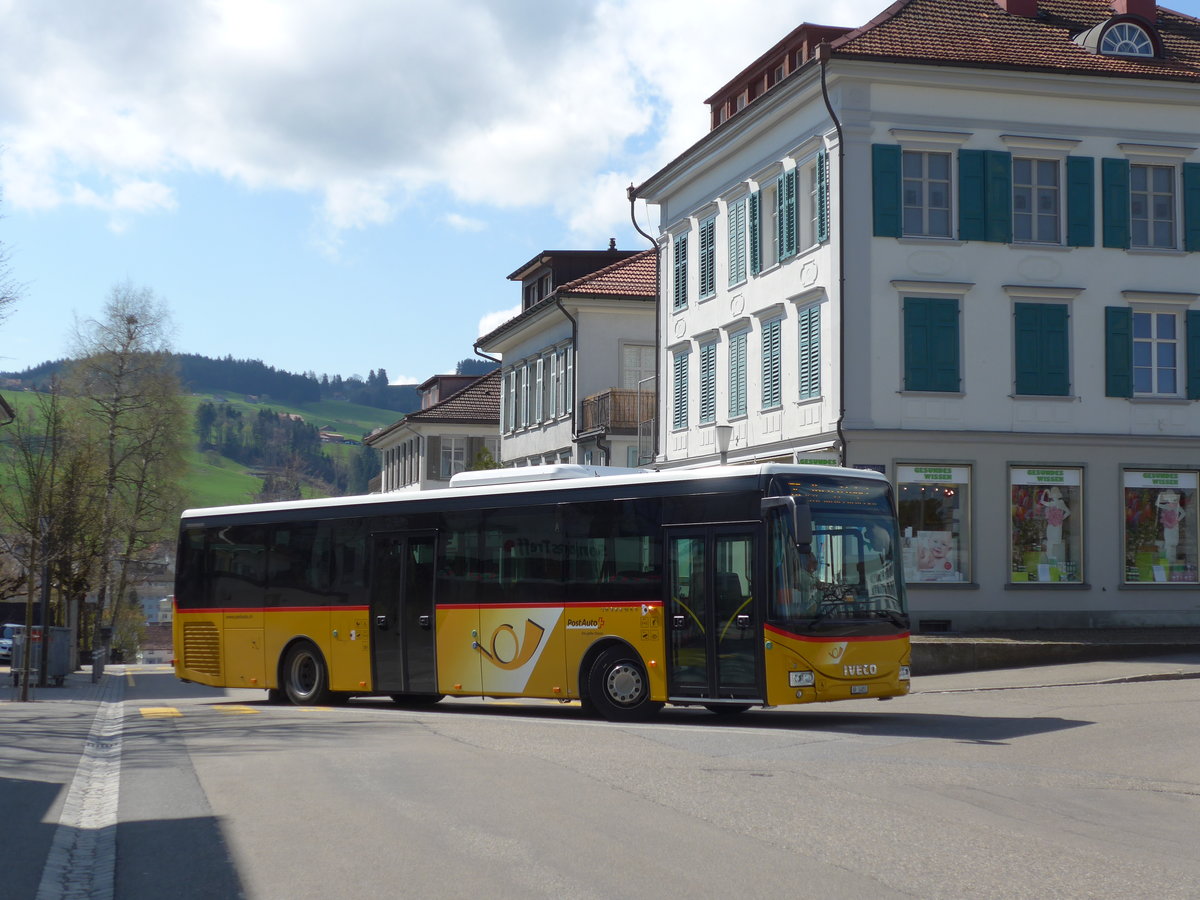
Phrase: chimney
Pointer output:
(1027, 8)
(1147, 9)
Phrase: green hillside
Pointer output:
(214, 480)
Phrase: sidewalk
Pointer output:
(76, 686)
(937, 654)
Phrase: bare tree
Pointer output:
(125, 379)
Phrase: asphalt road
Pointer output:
(978, 785)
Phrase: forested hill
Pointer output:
(252, 377)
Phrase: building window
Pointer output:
(679, 272)
(708, 383)
(931, 344)
(708, 258)
(772, 364)
(768, 226)
(1156, 354)
(1152, 206)
(679, 398)
(736, 219)
(1126, 39)
(510, 399)
(932, 504)
(809, 352)
(453, 455)
(1160, 527)
(1047, 524)
(1041, 349)
(1036, 193)
(539, 391)
(637, 365)
(926, 188)
(816, 221)
(737, 374)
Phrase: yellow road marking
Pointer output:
(236, 710)
(159, 712)
(129, 678)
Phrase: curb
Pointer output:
(949, 655)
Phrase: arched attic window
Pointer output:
(1126, 39)
(1120, 37)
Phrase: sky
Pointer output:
(342, 187)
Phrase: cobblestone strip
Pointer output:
(82, 861)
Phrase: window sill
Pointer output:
(1047, 585)
(1026, 246)
(1158, 585)
(1155, 251)
(943, 585)
(1164, 400)
(932, 393)
(1054, 398)
(805, 401)
(922, 239)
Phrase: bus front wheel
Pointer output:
(305, 678)
(618, 687)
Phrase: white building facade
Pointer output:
(574, 358)
(961, 246)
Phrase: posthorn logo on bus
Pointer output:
(860, 671)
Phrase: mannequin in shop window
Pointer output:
(1055, 511)
(1170, 514)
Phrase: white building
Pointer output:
(961, 245)
(574, 358)
(455, 428)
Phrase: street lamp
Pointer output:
(724, 433)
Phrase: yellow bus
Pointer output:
(623, 589)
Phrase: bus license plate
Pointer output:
(858, 688)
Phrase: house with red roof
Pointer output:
(578, 360)
(960, 245)
(456, 429)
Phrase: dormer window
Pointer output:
(1121, 37)
(1126, 39)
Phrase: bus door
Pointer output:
(402, 613)
(712, 616)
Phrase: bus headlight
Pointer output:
(905, 674)
(801, 679)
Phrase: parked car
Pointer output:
(6, 640)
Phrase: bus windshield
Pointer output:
(847, 574)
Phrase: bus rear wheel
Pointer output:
(618, 688)
(305, 678)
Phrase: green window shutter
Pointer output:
(931, 357)
(810, 353)
(1041, 349)
(1193, 354)
(755, 225)
(737, 375)
(972, 196)
(886, 190)
(822, 195)
(679, 415)
(1081, 201)
(772, 394)
(786, 205)
(708, 383)
(680, 269)
(1191, 206)
(737, 243)
(999, 196)
(708, 258)
(1118, 351)
(1114, 176)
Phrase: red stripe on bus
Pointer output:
(631, 604)
(832, 640)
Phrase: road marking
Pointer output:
(129, 678)
(159, 712)
(236, 710)
(81, 864)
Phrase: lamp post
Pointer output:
(724, 433)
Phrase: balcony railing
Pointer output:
(615, 411)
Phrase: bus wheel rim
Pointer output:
(624, 684)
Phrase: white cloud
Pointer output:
(494, 320)
(464, 223)
(365, 105)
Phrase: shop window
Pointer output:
(933, 505)
(1160, 527)
(1046, 525)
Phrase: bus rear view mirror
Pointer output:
(798, 512)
